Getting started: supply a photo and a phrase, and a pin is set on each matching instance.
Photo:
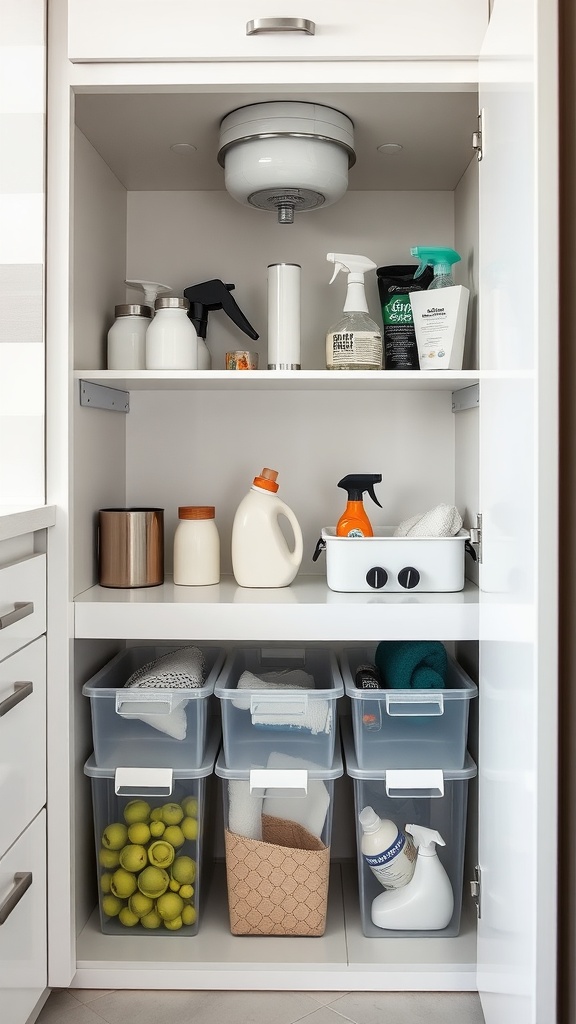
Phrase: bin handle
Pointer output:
(419, 783)
(278, 705)
(143, 782)
(161, 703)
(410, 704)
(293, 779)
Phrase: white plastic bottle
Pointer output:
(171, 339)
(260, 555)
(389, 853)
(127, 337)
(427, 902)
(355, 342)
(196, 547)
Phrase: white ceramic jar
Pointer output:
(171, 339)
(127, 337)
(196, 547)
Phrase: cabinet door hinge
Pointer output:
(478, 136)
(475, 889)
(476, 536)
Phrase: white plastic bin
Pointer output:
(408, 728)
(152, 788)
(431, 797)
(258, 721)
(278, 827)
(120, 735)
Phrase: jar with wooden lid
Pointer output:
(196, 547)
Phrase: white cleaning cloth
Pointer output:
(179, 670)
(244, 810)
(316, 717)
(309, 811)
(441, 521)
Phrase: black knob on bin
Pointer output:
(409, 577)
(377, 577)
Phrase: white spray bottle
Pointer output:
(355, 342)
(427, 902)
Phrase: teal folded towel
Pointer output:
(412, 664)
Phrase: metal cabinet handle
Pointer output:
(260, 25)
(21, 691)
(21, 610)
(22, 882)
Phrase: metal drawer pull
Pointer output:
(22, 882)
(260, 25)
(21, 610)
(21, 691)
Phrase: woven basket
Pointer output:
(278, 886)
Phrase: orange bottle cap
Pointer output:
(196, 512)
(267, 480)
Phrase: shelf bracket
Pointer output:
(466, 398)
(98, 396)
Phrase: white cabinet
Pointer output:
(199, 437)
(259, 30)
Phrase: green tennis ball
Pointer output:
(105, 880)
(140, 904)
(127, 918)
(156, 814)
(174, 924)
(123, 883)
(139, 833)
(108, 858)
(111, 905)
(151, 920)
(189, 828)
(173, 834)
(153, 881)
(186, 892)
(188, 915)
(161, 854)
(114, 836)
(172, 814)
(190, 806)
(169, 906)
(133, 858)
(136, 810)
(184, 870)
(157, 829)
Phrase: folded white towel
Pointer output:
(316, 718)
(244, 810)
(309, 811)
(183, 669)
(441, 521)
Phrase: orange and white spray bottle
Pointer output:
(354, 522)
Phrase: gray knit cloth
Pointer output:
(179, 670)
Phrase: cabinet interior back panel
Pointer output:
(205, 449)
(183, 238)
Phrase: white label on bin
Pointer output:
(143, 781)
(295, 780)
(423, 782)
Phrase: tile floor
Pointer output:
(82, 1006)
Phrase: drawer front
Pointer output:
(22, 603)
(173, 30)
(23, 948)
(22, 740)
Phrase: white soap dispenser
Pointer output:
(427, 902)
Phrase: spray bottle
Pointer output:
(440, 321)
(355, 341)
(354, 522)
(150, 289)
(388, 852)
(440, 259)
(427, 902)
(208, 296)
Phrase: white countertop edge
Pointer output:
(16, 520)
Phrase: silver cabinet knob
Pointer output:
(261, 25)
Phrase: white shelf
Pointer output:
(340, 960)
(305, 611)
(281, 380)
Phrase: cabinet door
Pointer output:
(23, 923)
(518, 458)
(161, 30)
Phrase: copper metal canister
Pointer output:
(130, 547)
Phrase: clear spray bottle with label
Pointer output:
(355, 341)
(389, 853)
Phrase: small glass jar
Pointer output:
(127, 337)
(171, 339)
(196, 547)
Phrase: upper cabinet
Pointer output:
(262, 30)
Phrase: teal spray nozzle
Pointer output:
(440, 259)
(211, 295)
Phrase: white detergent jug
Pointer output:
(260, 555)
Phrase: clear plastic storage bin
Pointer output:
(409, 728)
(259, 720)
(277, 828)
(432, 797)
(139, 799)
(137, 727)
